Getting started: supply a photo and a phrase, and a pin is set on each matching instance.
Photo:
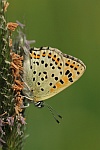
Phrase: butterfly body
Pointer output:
(47, 71)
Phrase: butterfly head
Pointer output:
(39, 104)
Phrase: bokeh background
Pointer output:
(73, 26)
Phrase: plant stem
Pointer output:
(11, 122)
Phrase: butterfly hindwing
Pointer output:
(49, 71)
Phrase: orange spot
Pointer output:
(68, 63)
(58, 85)
(49, 55)
(54, 58)
(56, 61)
(38, 56)
(72, 65)
(76, 66)
(65, 79)
(43, 55)
(51, 90)
(34, 56)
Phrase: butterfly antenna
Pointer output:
(53, 112)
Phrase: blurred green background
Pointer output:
(73, 26)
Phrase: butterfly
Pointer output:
(47, 71)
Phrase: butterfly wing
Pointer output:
(47, 71)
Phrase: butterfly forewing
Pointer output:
(47, 71)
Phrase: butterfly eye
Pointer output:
(39, 104)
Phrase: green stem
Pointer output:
(11, 127)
